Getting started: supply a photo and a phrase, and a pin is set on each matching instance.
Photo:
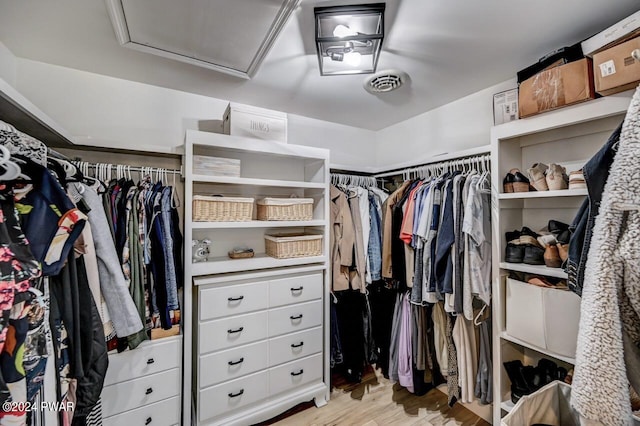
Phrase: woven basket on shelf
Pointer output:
(285, 246)
(222, 209)
(285, 209)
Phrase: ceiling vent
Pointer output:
(385, 81)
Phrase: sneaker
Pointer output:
(576, 180)
(557, 177)
(537, 177)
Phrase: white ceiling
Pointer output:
(449, 48)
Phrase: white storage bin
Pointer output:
(216, 166)
(545, 317)
(253, 122)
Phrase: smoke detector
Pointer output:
(385, 81)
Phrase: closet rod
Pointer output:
(475, 157)
(132, 168)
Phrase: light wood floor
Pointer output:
(377, 402)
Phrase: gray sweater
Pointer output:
(113, 285)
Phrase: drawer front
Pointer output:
(136, 393)
(295, 318)
(285, 291)
(233, 363)
(148, 358)
(220, 399)
(294, 374)
(294, 346)
(220, 302)
(163, 413)
(234, 331)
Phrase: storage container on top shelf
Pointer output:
(254, 122)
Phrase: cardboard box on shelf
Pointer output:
(505, 106)
(554, 88)
(617, 69)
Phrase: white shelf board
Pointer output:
(258, 224)
(244, 144)
(223, 265)
(534, 269)
(543, 194)
(568, 116)
(257, 182)
(507, 405)
(517, 341)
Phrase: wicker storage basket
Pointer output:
(284, 246)
(285, 209)
(222, 209)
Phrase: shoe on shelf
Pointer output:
(512, 237)
(507, 183)
(540, 282)
(576, 180)
(537, 177)
(557, 177)
(556, 227)
(533, 255)
(514, 253)
(547, 239)
(564, 237)
(529, 237)
(520, 181)
(552, 257)
(563, 251)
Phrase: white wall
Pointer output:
(105, 111)
(7, 65)
(456, 126)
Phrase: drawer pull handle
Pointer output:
(297, 345)
(297, 288)
(149, 391)
(240, 361)
(297, 373)
(233, 395)
(237, 330)
(151, 361)
(235, 299)
(296, 317)
(149, 420)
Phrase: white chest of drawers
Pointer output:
(259, 345)
(143, 386)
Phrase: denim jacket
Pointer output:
(596, 172)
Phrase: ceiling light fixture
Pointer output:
(349, 38)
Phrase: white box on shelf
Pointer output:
(505, 106)
(545, 317)
(620, 31)
(254, 122)
(216, 166)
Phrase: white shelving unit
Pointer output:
(569, 137)
(260, 290)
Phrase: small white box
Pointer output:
(618, 32)
(544, 317)
(253, 122)
(505, 106)
(216, 166)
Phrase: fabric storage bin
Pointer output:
(222, 209)
(285, 209)
(216, 166)
(284, 246)
(549, 405)
(545, 317)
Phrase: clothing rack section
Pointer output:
(352, 180)
(480, 162)
(105, 171)
(411, 278)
